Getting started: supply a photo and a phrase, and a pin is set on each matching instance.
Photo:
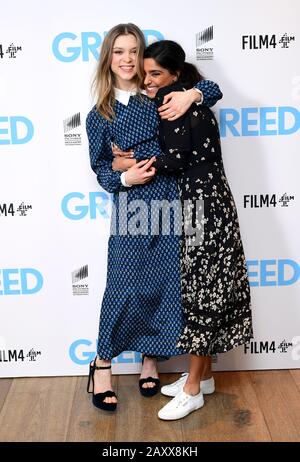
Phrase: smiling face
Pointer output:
(123, 63)
(156, 77)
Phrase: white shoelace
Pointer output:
(182, 399)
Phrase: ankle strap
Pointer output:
(99, 367)
(102, 367)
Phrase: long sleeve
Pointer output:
(175, 136)
(101, 154)
(176, 143)
(211, 92)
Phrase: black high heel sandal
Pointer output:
(148, 392)
(98, 399)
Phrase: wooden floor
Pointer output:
(247, 406)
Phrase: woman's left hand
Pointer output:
(176, 103)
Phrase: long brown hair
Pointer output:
(104, 79)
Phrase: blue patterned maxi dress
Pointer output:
(141, 308)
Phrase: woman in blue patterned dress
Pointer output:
(141, 307)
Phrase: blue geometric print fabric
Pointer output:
(211, 92)
(141, 307)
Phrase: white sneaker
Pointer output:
(207, 386)
(181, 406)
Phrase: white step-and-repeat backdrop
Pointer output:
(54, 217)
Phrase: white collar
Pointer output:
(123, 96)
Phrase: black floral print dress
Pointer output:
(215, 287)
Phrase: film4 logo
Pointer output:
(11, 209)
(8, 356)
(32, 354)
(255, 201)
(263, 42)
(11, 50)
(267, 347)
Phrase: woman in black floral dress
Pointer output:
(215, 287)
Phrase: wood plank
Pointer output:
(37, 409)
(295, 373)
(5, 385)
(87, 423)
(278, 396)
(232, 413)
(137, 416)
(247, 406)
